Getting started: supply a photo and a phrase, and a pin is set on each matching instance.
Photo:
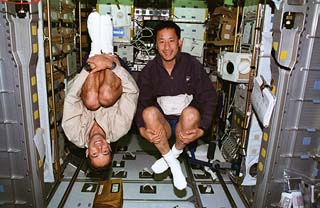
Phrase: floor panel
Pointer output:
(132, 160)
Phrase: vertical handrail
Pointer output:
(80, 32)
(235, 42)
(244, 136)
(55, 136)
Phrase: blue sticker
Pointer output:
(306, 141)
(316, 101)
(316, 85)
(311, 129)
(118, 32)
(315, 172)
(1, 188)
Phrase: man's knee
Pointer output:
(108, 96)
(190, 114)
(90, 100)
(155, 120)
(150, 114)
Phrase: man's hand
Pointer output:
(190, 135)
(152, 136)
(102, 62)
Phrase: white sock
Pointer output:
(93, 24)
(179, 181)
(106, 34)
(161, 165)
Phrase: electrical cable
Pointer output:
(138, 40)
(273, 55)
(10, 13)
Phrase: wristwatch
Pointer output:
(87, 67)
(113, 66)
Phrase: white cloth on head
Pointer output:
(174, 105)
(106, 34)
(93, 24)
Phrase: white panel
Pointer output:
(125, 52)
(189, 14)
(194, 31)
(252, 152)
(121, 17)
(263, 102)
(193, 47)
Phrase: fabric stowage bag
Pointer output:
(109, 194)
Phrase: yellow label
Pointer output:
(40, 163)
(283, 55)
(35, 48)
(207, 13)
(34, 30)
(275, 45)
(260, 166)
(131, 33)
(33, 81)
(35, 114)
(274, 89)
(35, 97)
(265, 136)
(263, 152)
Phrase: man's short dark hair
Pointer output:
(100, 169)
(168, 24)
